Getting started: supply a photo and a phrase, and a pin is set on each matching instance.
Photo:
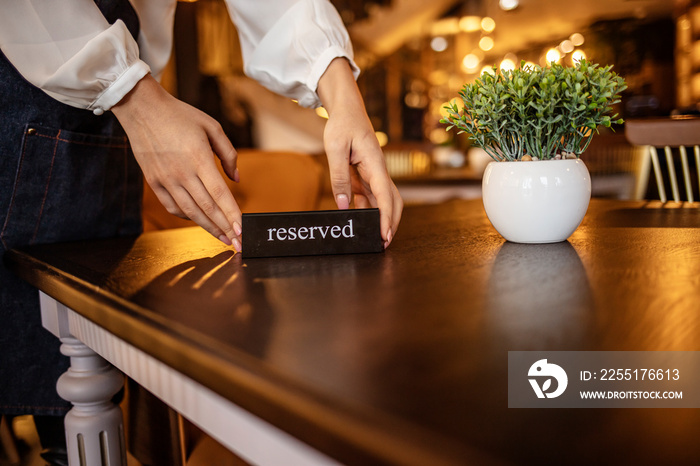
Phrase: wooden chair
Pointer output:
(675, 135)
(270, 182)
(618, 169)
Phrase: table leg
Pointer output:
(250, 437)
(94, 426)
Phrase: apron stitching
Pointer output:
(46, 191)
(123, 145)
(12, 202)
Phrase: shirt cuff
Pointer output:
(119, 88)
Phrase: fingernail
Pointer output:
(224, 239)
(237, 229)
(237, 245)
(236, 175)
(388, 239)
(342, 201)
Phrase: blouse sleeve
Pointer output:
(288, 44)
(71, 52)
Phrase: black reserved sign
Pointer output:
(311, 233)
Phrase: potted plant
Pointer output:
(535, 122)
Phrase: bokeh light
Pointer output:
(578, 55)
(470, 23)
(566, 46)
(486, 43)
(439, 44)
(577, 39)
(471, 62)
(507, 64)
(553, 55)
(488, 24)
(508, 4)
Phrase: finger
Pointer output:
(361, 188)
(339, 167)
(230, 219)
(193, 209)
(206, 199)
(225, 151)
(185, 207)
(396, 215)
(167, 201)
(390, 207)
(361, 201)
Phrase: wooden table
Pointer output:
(398, 357)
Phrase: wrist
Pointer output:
(145, 91)
(337, 88)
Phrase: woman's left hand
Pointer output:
(356, 162)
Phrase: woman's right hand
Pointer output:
(176, 146)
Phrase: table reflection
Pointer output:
(539, 295)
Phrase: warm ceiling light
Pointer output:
(578, 55)
(577, 39)
(439, 44)
(553, 55)
(508, 4)
(486, 43)
(488, 24)
(470, 23)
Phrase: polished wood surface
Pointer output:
(675, 131)
(401, 357)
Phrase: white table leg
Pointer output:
(94, 426)
(249, 436)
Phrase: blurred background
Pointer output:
(416, 55)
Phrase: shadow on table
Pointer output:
(215, 296)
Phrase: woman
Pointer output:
(74, 75)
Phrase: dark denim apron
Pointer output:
(65, 174)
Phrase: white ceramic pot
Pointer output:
(536, 202)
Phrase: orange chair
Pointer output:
(270, 182)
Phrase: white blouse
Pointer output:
(67, 48)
